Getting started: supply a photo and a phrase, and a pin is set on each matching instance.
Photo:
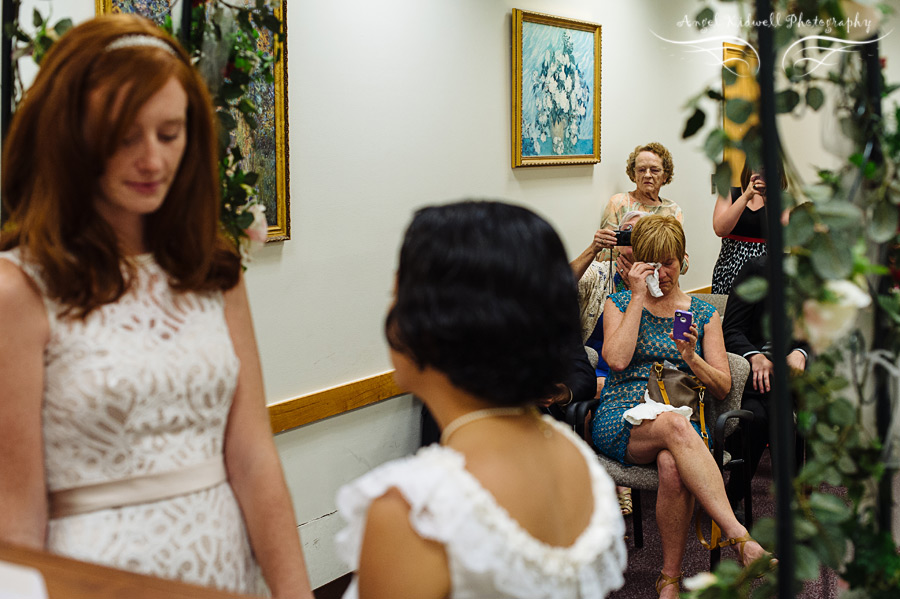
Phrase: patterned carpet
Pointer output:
(644, 563)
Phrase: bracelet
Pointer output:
(568, 401)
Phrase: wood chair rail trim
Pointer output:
(319, 405)
(312, 407)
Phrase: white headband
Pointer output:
(141, 40)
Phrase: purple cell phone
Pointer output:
(683, 320)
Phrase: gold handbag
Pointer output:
(673, 387)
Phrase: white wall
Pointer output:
(400, 103)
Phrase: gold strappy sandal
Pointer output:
(625, 504)
(739, 543)
(665, 580)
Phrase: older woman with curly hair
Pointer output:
(649, 166)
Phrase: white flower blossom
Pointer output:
(256, 233)
(700, 581)
(823, 323)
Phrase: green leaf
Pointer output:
(62, 26)
(807, 563)
(801, 226)
(227, 120)
(715, 144)
(804, 421)
(251, 177)
(884, 222)
(830, 259)
(783, 36)
(231, 92)
(786, 100)
(828, 508)
(729, 76)
(36, 19)
(847, 465)
(804, 529)
(713, 94)
(738, 110)
(753, 289)
(838, 215)
(764, 532)
(723, 179)
(826, 432)
(815, 98)
(705, 18)
(841, 412)
(244, 220)
(694, 124)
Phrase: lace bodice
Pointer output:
(489, 553)
(143, 386)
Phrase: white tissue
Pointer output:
(653, 280)
(650, 409)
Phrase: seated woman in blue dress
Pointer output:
(638, 332)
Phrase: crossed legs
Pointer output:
(686, 471)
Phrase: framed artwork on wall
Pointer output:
(743, 64)
(265, 147)
(555, 89)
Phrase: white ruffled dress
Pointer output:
(489, 553)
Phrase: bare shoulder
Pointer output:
(20, 298)
(395, 561)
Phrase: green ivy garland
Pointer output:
(841, 241)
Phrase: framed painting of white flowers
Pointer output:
(556, 90)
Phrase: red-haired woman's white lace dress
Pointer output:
(144, 387)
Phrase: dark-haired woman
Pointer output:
(510, 504)
(741, 223)
(133, 427)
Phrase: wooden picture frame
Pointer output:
(555, 90)
(265, 148)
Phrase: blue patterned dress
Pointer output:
(625, 389)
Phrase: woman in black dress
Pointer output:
(741, 223)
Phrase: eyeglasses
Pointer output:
(627, 227)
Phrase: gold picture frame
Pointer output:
(744, 63)
(269, 159)
(555, 90)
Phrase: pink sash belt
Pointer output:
(140, 489)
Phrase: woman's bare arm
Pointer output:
(727, 213)
(395, 561)
(24, 333)
(254, 468)
(620, 331)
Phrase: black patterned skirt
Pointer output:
(732, 257)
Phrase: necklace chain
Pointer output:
(470, 417)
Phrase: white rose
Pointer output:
(700, 581)
(256, 233)
(826, 322)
